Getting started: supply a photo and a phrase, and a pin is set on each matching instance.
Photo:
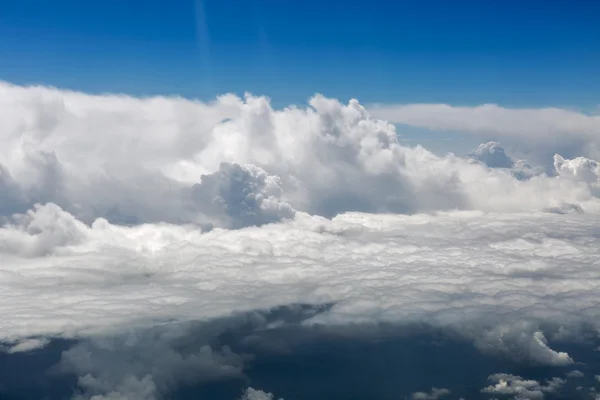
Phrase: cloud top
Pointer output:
(492, 155)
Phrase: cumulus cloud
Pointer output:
(575, 374)
(435, 394)
(521, 337)
(508, 384)
(539, 133)
(129, 388)
(256, 394)
(492, 155)
(234, 162)
(143, 364)
(246, 195)
(523, 170)
(40, 231)
(581, 169)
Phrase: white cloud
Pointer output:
(508, 384)
(40, 230)
(522, 337)
(539, 133)
(575, 374)
(492, 155)
(245, 195)
(581, 169)
(256, 394)
(435, 394)
(474, 270)
(136, 160)
(129, 388)
(26, 345)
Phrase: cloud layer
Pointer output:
(235, 162)
(491, 270)
(121, 213)
(538, 133)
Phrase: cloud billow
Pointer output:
(246, 195)
(492, 155)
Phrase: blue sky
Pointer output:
(515, 53)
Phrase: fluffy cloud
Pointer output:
(235, 162)
(482, 272)
(523, 338)
(40, 231)
(581, 169)
(508, 384)
(245, 195)
(144, 364)
(256, 394)
(435, 394)
(492, 155)
(539, 133)
(575, 374)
